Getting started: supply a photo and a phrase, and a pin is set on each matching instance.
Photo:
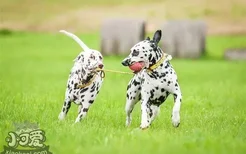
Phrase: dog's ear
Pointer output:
(157, 36)
(147, 39)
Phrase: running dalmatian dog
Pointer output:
(84, 81)
(153, 83)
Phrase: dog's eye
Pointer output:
(92, 56)
(100, 57)
(135, 53)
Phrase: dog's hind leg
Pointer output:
(83, 110)
(65, 109)
(133, 96)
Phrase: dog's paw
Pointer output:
(62, 116)
(175, 120)
(77, 120)
(128, 122)
(144, 126)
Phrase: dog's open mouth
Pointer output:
(137, 66)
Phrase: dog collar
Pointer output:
(158, 63)
(86, 84)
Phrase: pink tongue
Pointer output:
(137, 66)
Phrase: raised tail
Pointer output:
(82, 45)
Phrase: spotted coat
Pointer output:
(83, 72)
(151, 87)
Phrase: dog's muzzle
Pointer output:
(126, 62)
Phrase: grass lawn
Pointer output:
(33, 72)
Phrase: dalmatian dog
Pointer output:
(153, 83)
(84, 81)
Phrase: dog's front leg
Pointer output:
(145, 120)
(176, 108)
(133, 96)
(65, 108)
(153, 112)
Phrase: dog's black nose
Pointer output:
(100, 66)
(125, 62)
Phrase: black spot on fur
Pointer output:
(162, 98)
(93, 86)
(85, 109)
(75, 85)
(135, 83)
(129, 86)
(68, 106)
(91, 101)
(83, 90)
(153, 75)
(175, 96)
(92, 89)
(83, 71)
(97, 89)
(152, 94)
(74, 97)
(162, 75)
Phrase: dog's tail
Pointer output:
(82, 45)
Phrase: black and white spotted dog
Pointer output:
(153, 83)
(84, 81)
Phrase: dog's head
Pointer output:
(89, 61)
(145, 52)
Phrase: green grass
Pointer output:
(33, 74)
(217, 45)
